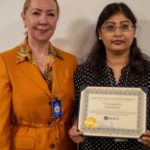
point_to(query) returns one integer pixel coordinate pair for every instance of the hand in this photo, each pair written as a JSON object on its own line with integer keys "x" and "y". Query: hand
{"x": 145, "y": 139}
{"x": 76, "y": 135}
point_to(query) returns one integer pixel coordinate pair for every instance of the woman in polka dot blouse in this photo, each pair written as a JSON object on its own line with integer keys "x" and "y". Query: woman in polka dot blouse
{"x": 115, "y": 61}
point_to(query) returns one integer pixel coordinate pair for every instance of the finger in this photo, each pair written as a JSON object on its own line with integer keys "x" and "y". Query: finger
{"x": 79, "y": 139}
{"x": 144, "y": 140}
{"x": 146, "y": 133}
{"x": 75, "y": 136}
{"x": 144, "y": 143}
{"x": 75, "y": 132}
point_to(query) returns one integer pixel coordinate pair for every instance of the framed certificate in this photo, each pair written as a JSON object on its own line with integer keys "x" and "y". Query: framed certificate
{"x": 112, "y": 112}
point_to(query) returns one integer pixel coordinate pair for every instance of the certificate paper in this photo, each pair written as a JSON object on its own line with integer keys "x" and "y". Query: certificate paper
{"x": 113, "y": 112}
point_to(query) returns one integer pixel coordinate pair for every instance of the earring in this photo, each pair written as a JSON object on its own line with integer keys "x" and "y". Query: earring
{"x": 100, "y": 38}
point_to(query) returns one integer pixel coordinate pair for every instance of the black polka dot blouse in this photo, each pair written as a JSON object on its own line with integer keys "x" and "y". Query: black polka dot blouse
{"x": 85, "y": 77}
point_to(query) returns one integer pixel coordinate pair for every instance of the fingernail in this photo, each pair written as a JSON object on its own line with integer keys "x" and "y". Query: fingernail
{"x": 139, "y": 140}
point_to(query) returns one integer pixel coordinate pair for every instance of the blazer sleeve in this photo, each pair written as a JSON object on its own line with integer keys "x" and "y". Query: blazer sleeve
{"x": 75, "y": 64}
{"x": 5, "y": 106}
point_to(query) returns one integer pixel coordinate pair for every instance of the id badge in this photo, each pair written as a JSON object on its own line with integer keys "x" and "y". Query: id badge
{"x": 56, "y": 108}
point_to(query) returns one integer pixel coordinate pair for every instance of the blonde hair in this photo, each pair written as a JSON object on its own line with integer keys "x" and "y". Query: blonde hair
{"x": 27, "y": 3}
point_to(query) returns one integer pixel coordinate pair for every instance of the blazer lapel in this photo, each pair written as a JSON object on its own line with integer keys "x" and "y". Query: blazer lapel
{"x": 35, "y": 76}
{"x": 58, "y": 76}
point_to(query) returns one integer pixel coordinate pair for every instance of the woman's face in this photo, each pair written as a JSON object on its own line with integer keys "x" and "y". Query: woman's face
{"x": 117, "y": 34}
{"x": 40, "y": 19}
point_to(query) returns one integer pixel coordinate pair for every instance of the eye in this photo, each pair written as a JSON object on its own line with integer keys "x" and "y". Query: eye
{"x": 110, "y": 27}
{"x": 51, "y": 14}
{"x": 126, "y": 27}
{"x": 36, "y": 13}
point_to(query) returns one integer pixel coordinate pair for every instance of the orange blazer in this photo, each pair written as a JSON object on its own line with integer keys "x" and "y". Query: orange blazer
{"x": 26, "y": 120}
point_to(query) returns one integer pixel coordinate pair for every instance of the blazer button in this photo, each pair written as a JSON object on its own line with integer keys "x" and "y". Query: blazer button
{"x": 52, "y": 146}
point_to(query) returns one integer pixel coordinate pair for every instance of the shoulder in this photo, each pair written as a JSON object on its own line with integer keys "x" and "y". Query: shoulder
{"x": 9, "y": 56}
{"x": 145, "y": 74}
{"x": 7, "y": 60}
{"x": 147, "y": 66}
{"x": 85, "y": 67}
{"x": 69, "y": 60}
{"x": 10, "y": 53}
{"x": 147, "y": 62}
{"x": 65, "y": 54}
{"x": 83, "y": 71}
{"x": 84, "y": 75}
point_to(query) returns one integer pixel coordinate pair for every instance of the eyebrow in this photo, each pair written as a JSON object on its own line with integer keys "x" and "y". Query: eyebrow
{"x": 37, "y": 9}
{"x": 125, "y": 21}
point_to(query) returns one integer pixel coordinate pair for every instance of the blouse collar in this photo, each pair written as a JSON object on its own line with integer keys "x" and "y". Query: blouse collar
{"x": 25, "y": 53}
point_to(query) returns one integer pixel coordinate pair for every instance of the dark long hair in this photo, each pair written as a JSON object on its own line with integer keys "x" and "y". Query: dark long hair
{"x": 98, "y": 54}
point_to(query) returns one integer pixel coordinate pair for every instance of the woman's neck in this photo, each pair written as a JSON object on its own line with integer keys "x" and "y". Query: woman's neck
{"x": 117, "y": 61}
{"x": 40, "y": 53}
{"x": 38, "y": 48}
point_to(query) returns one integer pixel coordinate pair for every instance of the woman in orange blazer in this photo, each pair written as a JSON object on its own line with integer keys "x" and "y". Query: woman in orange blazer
{"x": 36, "y": 86}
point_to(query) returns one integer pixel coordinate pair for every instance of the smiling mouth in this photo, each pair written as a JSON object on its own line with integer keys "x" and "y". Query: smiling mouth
{"x": 118, "y": 42}
{"x": 42, "y": 30}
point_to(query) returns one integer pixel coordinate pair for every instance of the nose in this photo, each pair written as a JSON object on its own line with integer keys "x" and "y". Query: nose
{"x": 43, "y": 19}
{"x": 117, "y": 31}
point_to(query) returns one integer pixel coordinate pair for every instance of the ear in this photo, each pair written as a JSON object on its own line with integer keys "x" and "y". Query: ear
{"x": 23, "y": 18}
{"x": 100, "y": 35}
{"x": 135, "y": 32}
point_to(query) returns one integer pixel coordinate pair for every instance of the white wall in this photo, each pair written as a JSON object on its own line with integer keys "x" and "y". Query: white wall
{"x": 76, "y": 25}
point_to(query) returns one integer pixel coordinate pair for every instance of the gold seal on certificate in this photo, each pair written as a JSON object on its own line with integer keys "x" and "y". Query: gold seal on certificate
{"x": 90, "y": 122}
{"x": 112, "y": 112}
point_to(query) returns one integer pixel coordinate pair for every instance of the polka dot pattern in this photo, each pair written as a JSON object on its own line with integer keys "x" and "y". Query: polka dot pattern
{"x": 85, "y": 77}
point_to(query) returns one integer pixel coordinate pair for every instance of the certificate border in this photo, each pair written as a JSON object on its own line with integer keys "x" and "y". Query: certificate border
{"x": 109, "y": 132}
